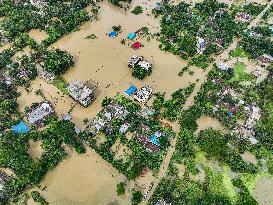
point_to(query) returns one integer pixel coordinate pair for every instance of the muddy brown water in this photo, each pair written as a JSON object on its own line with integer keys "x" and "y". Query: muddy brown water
{"x": 263, "y": 191}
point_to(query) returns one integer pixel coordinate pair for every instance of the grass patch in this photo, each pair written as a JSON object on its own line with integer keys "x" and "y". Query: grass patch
{"x": 238, "y": 52}
{"x": 61, "y": 83}
{"x": 228, "y": 184}
{"x": 239, "y": 73}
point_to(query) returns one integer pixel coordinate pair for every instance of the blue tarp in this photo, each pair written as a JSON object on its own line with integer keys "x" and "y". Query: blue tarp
{"x": 131, "y": 36}
{"x": 20, "y": 128}
{"x": 230, "y": 114}
{"x": 154, "y": 140}
{"x": 113, "y": 34}
{"x": 130, "y": 90}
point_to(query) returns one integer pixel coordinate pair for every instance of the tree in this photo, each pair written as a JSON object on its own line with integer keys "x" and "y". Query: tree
{"x": 136, "y": 197}
{"x": 120, "y": 188}
{"x": 57, "y": 61}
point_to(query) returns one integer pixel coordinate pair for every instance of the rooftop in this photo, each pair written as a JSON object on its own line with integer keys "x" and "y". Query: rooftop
{"x": 81, "y": 93}
{"x": 143, "y": 94}
{"x": 40, "y": 113}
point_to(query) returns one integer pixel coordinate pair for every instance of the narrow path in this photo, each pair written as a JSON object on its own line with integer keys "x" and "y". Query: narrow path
{"x": 164, "y": 167}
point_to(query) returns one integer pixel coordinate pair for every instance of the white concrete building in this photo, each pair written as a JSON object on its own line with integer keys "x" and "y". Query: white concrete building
{"x": 143, "y": 94}
{"x": 81, "y": 93}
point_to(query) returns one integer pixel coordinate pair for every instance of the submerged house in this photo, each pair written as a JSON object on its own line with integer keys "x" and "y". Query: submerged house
{"x": 243, "y": 17}
{"x": 224, "y": 67}
{"x": 201, "y": 45}
{"x": 40, "y": 113}
{"x": 45, "y": 75}
{"x": 265, "y": 59}
{"x": 143, "y": 94}
{"x": 38, "y": 3}
{"x": 138, "y": 61}
{"x": 104, "y": 118}
{"x": 147, "y": 143}
{"x": 20, "y": 128}
{"x": 81, "y": 93}
{"x": 254, "y": 116}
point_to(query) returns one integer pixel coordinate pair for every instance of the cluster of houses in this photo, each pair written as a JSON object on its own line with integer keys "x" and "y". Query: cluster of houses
{"x": 116, "y": 111}
{"x": 40, "y": 113}
{"x": 139, "y": 61}
{"x": 104, "y": 118}
{"x": 81, "y": 93}
{"x": 246, "y": 130}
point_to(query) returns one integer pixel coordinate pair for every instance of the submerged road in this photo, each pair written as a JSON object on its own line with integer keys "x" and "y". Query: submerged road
{"x": 164, "y": 167}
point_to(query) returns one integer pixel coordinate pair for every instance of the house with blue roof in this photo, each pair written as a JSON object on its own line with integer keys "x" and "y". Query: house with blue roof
{"x": 131, "y": 36}
{"x": 20, "y": 128}
{"x": 113, "y": 34}
{"x": 130, "y": 90}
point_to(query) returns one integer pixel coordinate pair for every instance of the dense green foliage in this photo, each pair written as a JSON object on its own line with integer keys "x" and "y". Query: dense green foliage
{"x": 38, "y": 198}
{"x": 120, "y": 188}
{"x": 57, "y": 61}
{"x": 140, "y": 73}
{"x": 137, "y": 10}
{"x": 136, "y": 197}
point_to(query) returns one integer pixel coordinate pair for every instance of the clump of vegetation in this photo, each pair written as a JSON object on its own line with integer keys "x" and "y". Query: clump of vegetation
{"x": 120, "y": 188}
{"x": 119, "y": 2}
{"x": 117, "y": 28}
{"x": 91, "y": 36}
{"x": 57, "y": 61}
{"x": 61, "y": 84}
{"x": 38, "y": 198}
{"x": 136, "y": 197}
{"x": 183, "y": 70}
{"x": 137, "y": 10}
{"x": 140, "y": 73}
{"x": 238, "y": 52}
{"x": 106, "y": 101}
{"x": 39, "y": 92}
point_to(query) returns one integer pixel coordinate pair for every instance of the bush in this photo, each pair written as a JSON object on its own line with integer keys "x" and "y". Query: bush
{"x": 137, "y": 10}
{"x": 136, "y": 197}
{"x": 120, "y": 188}
{"x": 38, "y": 198}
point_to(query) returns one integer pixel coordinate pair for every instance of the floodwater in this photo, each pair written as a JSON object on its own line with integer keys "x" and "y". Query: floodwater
{"x": 105, "y": 59}
{"x": 83, "y": 179}
{"x": 37, "y": 35}
{"x": 248, "y": 157}
{"x": 263, "y": 191}
{"x": 35, "y": 149}
{"x": 61, "y": 103}
{"x": 205, "y": 122}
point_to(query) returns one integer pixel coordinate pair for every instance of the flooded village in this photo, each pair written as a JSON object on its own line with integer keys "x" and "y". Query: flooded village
{"x": 128, "y": 102}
